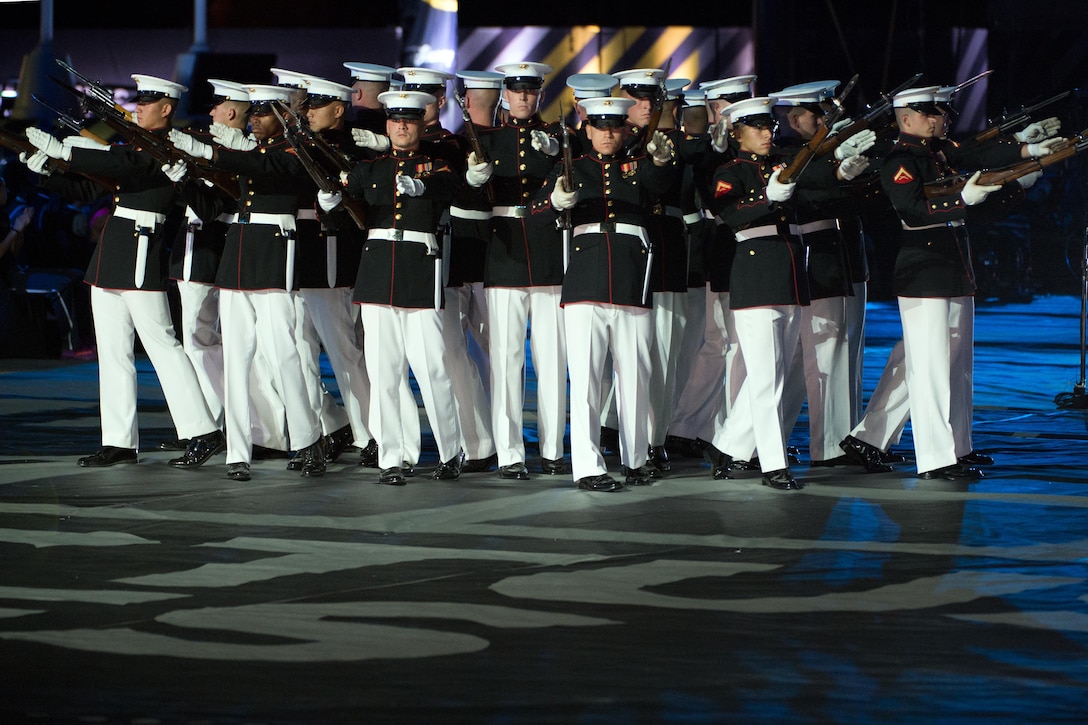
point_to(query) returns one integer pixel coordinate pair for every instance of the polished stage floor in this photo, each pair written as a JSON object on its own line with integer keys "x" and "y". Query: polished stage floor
{"x": 141, "y": 594}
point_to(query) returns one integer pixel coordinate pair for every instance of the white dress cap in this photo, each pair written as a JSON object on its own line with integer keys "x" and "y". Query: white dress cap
{"x": 266, "y": 94}
{"x": 725, "y": 87}
{"x": 228, "y": 91}
{"x": 805, "y": 94}
{"x": 152, "y": 87}
{"x": 320, "y": 90}
{"x": 524, "y": 73}
{"x": 370, "y": 71}
{"x": 290, "y": 78}
{"x": 420, "y": 78}
{"x": 481, "y": 79}
{"x": 640, "y": 81}
{"x": 751, "y": 111}
{"x": 409, "y": 104}
{"x": 591, "y": 85}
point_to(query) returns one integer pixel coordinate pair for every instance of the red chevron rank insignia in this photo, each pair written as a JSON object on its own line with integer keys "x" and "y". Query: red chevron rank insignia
{"x": 722, "y": 188}
{"x": 902, "y": 176}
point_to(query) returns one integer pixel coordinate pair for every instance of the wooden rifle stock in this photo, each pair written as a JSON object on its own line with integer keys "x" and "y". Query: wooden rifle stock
{"x": 998, "y": 177}
{"x": 22, "y": 145}
{"x": 808, "y": 152}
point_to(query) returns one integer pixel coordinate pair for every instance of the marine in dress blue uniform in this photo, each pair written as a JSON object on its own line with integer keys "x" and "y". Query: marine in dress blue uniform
{"x": 605, "y": 292}
{"x": 128, "y": 274}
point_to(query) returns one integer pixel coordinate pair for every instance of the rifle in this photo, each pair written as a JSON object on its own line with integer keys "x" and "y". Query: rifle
{"x": 158, "y": 147}
{"x": 477, "y": 147}
{"x": 1022, "y": 116}
{"x": 566, "y": 227}
{"x": 874, "y": 112}
{"x": 70, "y": 122}
{"x": 339, "y": 160}
{"x": 655, "y": 117}
{"x": 95, "y": 90}
{"x": 59, "y": 166}
{"x": 951, "y": 186}
{"x": 810, "y": 150}
{"x": 325, "y": 182}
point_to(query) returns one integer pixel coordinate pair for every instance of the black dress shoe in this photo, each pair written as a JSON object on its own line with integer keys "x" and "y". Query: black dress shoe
{"x": 479, "y": 465}
{"x": 336, "y": 442}
{"x": 554, "y": 466}
{"x": 313, "y": 459}
{"x": 782, "y": 480}
{"x": 450, "y": 470}
{"x": 515, "y": 471}
{"x": 407, "y": 469}
{"x": 368, "y": 456}
{"x": 955, "y": 472}
{"x": 659, "y": 458}
{"x": 684, "y": 447}
{"x": 109, "y": 456}
{"x": 720, "y": 463}
{"x": 296, "y": 462}
{"x": 890, "y": 457}
{"x": 238, "y": 471}
{"x": 974, "y": 458}
{"x": 200, "y": 449}
{"x": 641, "y": 476}
{"x": 863, "y": 454}
{"x": 179, "y": 444}
{"x": 392, "y": 477}
{"x": 830, "y": 462}
{"x": 603, "y": 482}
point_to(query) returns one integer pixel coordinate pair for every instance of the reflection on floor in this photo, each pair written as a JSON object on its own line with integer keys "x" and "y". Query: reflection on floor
{"x": 141, "y": 594}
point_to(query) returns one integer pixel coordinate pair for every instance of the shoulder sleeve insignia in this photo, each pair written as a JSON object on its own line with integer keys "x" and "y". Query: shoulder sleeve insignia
{"x": 902, "y": 176}
{"x": 722, "y": 188}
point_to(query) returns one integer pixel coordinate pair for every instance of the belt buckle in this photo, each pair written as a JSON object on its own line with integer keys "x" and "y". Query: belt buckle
{"x": 396, "y": 235}
{"x": 608, "y": 227}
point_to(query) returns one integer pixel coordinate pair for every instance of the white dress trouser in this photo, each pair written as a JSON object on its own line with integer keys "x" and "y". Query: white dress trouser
{"x": 669, "y": 320}
{"x": 201, "y": 340}
{"x": 394, "y": 339}
{"x": 510, "y": 311}
{"x": 823, "y": 377}
{"x": 938, "y": 341}
{"x": 690, "y": 342}
{"x": 768, "y": 338}
{"x": 203, "y": 343}
{"x": 118, "y": 316}
{"x": 889, "y": 405}
{"x": 702, "y": 394}
{"x": 855, "y": 335}
{"x": 262, "y": 319}
{"x": 594, "y": 330}
{"x": 331, "y": 315}
{"x": 473, "y": 408}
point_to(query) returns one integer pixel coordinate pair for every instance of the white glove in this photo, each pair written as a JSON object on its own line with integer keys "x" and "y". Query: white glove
{"x": 719, "y": 136}
{"x": 370, "y": 140}
{"x": 852, "y": 167}
{"x": 49, "y": 144}
{"x": 188, "y": 145}
{"x": 232, "y": 138}
{"x": 1039, "y": 131}
{"x": 841, "y": 124}
{"x": 329, "y": 200}
{"x": 776, "y": 190}
{"x": 408, "y": 186}
{"x": 176, "y": 171}
{"x": 544, "y": 143}
{"x": 660, "y": 148}
{"x": 857, "y": 144}
{"x": 1028, "y": 180}
{"x": 1044, "y": 148}
{"x": 83, "y": 142}
{"x": 36, "y": 162}
{"x": 561, "y": 198}
{"x": 477, "y": 174}
{"x": 974, "y": 193}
